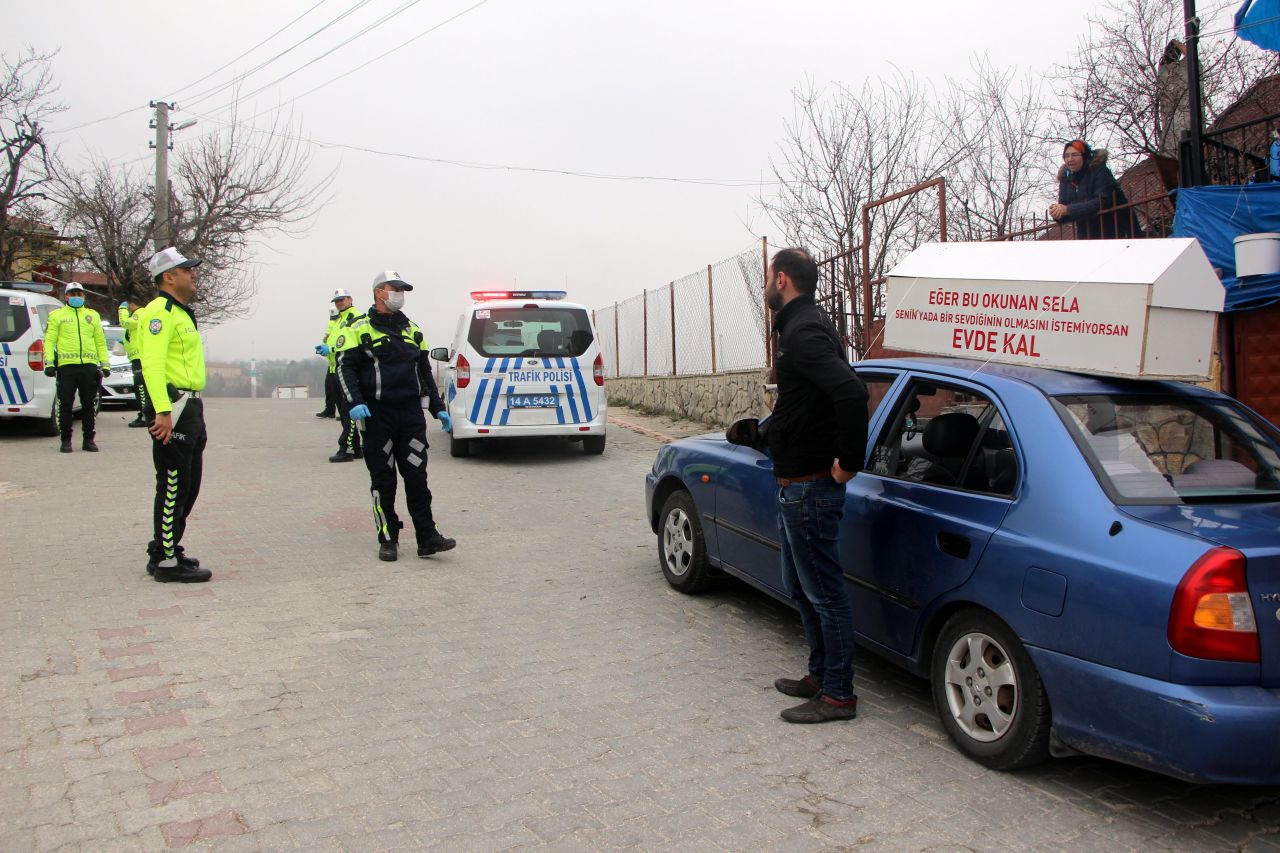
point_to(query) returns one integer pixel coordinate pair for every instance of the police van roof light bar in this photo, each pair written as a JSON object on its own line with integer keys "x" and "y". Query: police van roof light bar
{"x": 486, "y": 295}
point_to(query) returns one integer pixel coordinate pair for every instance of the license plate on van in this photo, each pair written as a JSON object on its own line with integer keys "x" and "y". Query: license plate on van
{"x": 532, "y": 401}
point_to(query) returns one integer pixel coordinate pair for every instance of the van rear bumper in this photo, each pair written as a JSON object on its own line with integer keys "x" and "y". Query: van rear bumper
{"x": 463, "y": 428}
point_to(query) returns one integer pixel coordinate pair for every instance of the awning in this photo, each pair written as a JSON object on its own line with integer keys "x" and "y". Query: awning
{"x": 1258, "y": 21}
{"x": 1216, "y": 216}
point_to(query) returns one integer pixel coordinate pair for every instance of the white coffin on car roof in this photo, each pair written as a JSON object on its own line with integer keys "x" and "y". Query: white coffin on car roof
{"x": 1141, "y": 308}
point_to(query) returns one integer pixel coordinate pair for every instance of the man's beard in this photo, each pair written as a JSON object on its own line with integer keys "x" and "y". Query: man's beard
{"x": 773, "y": 298}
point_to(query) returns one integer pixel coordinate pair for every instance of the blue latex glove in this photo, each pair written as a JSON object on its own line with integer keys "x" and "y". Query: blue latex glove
{"x": 322, "y": 349}
{"x": 446, "y": 422}
{"x": 360, "y": 412}
{"x": 124, "y": 304}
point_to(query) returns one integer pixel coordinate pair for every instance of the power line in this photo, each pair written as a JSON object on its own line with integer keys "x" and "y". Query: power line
{"x": 207, "y": 93}
{"x": 501, "y": 167}
{"x": 362, "y": 65}
{"x": 218, "y": 70}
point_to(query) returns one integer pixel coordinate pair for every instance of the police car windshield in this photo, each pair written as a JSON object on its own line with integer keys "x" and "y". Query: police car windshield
{"x": 530, "y": 330}
{"x": 1173, "y": 449}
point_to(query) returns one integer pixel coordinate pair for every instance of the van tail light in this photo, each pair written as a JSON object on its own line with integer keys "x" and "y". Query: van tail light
{"x": 597, "y": 369}
{"x": 463, "y": 374}
{"x": 35, "y": 356}
{"x": 1212, "y": 616}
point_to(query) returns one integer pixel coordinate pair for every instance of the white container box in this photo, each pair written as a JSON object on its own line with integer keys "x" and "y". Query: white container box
{"x": 1141, "y": 308}
{"x": 1257, "y": 254}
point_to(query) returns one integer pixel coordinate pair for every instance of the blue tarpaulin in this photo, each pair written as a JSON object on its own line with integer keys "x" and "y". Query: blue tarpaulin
{"x": 1258, "y": 21}
{"x": 1216, "y": 216}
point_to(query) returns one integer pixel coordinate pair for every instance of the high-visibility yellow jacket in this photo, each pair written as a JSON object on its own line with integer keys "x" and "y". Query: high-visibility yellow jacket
{"x": 74, "y": 336}
{"x": 328, "y": 339}
{"x": 171, "y": 349}
{"x": 129, "y": 322}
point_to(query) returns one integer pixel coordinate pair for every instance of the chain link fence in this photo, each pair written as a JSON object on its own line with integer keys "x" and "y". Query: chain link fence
{"x": 710, "y": 321}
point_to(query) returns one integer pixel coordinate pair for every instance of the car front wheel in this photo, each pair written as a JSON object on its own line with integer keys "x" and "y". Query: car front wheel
{"x": 988, "y": 694}
{"x": 681, "y": 547}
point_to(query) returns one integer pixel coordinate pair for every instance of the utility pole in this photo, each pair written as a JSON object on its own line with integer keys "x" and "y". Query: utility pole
{"x": 161, "y": 145}
{"x": 1193, "y": 171}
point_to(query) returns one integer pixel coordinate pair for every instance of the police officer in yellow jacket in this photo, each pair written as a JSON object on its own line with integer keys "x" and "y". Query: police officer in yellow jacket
{"x": 332, "y": 396}
{"x": 129, "y": 322}
{"x": 349, "y": 446}
{"x": 75, "y": 350}
{"x": 173, "y": 369}
{"x": 387, "y": 382}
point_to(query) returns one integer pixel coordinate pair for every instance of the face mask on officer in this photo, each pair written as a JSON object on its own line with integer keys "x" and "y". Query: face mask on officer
{"x": 75, "y": 301}
{"x": 333, "y": 313}
{"x": 395, "y": 299}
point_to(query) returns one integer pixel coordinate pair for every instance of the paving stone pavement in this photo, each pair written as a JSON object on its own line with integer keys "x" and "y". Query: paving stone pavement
{"x": 538, "y": 687}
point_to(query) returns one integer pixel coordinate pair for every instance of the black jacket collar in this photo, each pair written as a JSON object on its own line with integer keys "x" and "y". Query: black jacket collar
{"x": 791, "y": 309}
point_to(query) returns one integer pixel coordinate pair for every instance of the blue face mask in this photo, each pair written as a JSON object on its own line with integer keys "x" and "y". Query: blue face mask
{"x": 76, "y": 301}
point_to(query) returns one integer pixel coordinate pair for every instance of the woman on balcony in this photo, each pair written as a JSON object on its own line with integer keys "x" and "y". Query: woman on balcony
{"x": 1088, "y": 195}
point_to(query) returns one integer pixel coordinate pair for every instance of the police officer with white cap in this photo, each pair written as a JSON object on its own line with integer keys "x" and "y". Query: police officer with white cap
{"x": 387, "y": 381}
{"x": 349, "y": 440}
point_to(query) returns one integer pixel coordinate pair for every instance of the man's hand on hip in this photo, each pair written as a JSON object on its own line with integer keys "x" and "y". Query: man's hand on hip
{"x": 162, "y": 429}
{"x": 839, "y": 474}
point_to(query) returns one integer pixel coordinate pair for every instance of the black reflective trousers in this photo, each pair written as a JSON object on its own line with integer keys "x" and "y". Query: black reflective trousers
{"x": 179, "y": 466}
{"x": 85, "y": 379}
{"x": 396, "y": 436}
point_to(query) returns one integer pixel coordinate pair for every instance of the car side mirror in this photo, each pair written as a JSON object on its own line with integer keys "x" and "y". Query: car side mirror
{"x": 439, "y": 354}
{"x": 745, "y": 432}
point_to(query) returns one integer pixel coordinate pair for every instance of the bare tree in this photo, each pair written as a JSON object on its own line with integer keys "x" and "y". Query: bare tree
{"x": 844, "y": 148}
{"x": 109, "y": 210}
{"x": 26, "y": 89}
{"x": 1125, "y": 88}
{"x": 998, "y": 120}
{"x": 229, "y": 190}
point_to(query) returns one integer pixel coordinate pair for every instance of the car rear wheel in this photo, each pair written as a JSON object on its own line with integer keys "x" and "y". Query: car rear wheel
{"x": 459, "y": 447}
{"x": 593, "y": 444}
{"x": 681, "y": 547}
{"x": 988, "y": 694}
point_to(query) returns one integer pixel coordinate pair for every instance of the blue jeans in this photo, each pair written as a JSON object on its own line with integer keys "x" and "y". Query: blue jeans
{"x": 809, "y": 519}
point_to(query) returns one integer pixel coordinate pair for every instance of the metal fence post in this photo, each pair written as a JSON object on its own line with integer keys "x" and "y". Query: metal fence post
{"x": 673, "y": 328}
{"x": 617, "y": 351}
{"x": 646, "y": 332}
{"x": 711, "y": 312}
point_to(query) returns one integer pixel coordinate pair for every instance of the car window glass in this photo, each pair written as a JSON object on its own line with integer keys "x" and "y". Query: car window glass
{"x": 1172, "y": 449}
{"x": 43, "y": 312}
{"x": 878, "y": 385}
{"x": 534, "y": 331}
{"x": 947, "y": 436}
{"x": 13, "y": 318}
{"x": 115, "y": 340}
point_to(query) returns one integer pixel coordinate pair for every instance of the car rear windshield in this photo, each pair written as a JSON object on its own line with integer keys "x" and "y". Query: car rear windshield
{"x": 13, "y": 318}
{"x": 530, "y": 330}
{"x": 1174, "y": 449}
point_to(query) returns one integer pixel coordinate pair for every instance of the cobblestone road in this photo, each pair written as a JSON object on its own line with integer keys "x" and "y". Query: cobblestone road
{"x": 538, "y": 687}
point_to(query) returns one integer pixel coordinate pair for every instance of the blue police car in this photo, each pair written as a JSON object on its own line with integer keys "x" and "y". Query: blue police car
{"x": 1077, "y": 564}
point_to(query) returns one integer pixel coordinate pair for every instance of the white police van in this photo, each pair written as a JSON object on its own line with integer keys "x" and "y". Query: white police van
{"x": 524, "y": 363}
{"x": 25, "y": 392}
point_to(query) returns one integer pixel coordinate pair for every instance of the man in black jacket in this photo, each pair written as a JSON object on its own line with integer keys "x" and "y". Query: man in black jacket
{"x": 818, "y": 438}
{"x": 386, "y": 380}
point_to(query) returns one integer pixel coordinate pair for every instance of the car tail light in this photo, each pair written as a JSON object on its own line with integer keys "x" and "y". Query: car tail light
{"x": 597, "y": 369}
{"x": 1211, "y": 615}
{"x": 35, "y": 356}
{"x": 463, "y": 374}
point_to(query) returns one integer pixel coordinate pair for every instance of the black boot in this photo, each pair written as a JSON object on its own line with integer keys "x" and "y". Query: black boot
{"x": 434, "y": 543}
{"x": 177, "y": 571}
{"x": 66, "y": 446}
{"x": 139, "y": 421}
{"x": 341, "y": 456}
{"x": 88, "y": 444}
{"x": 387, "y": 551}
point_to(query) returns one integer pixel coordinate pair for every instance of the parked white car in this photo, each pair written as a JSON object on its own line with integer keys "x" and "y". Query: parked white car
{"x": 25, "y": 392}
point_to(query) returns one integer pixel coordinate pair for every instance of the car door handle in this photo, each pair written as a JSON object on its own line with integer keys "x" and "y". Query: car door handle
{"x": 953, "y": 544}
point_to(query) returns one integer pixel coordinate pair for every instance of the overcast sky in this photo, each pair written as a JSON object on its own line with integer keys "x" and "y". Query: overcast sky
{"x": 689, "y": 89}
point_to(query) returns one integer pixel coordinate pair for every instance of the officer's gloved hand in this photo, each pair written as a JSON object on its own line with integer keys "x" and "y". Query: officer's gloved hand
{"x": 360, "y": 412}
{"x": 51, "y": 371}
{"x": 446, "y": 422}
{"x": 106, "y": 371}
{"x": 322, "y": 349}
{"x": 124, "y": 304}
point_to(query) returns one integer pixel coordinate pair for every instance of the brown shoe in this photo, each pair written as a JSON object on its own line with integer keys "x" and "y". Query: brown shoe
{"x": 804, "y": 688}
{"x": 822, "y": 709}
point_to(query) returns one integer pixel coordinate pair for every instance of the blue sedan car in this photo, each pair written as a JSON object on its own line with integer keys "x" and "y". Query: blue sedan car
{"x": 1077, "y": 564}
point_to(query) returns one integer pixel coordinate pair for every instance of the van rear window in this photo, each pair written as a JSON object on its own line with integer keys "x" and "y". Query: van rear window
{"x": 530, "y": 330}
{"x": 14, "y": 320}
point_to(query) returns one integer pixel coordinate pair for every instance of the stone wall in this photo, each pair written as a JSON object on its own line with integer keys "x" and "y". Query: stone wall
{"x": 715, "y": 399}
